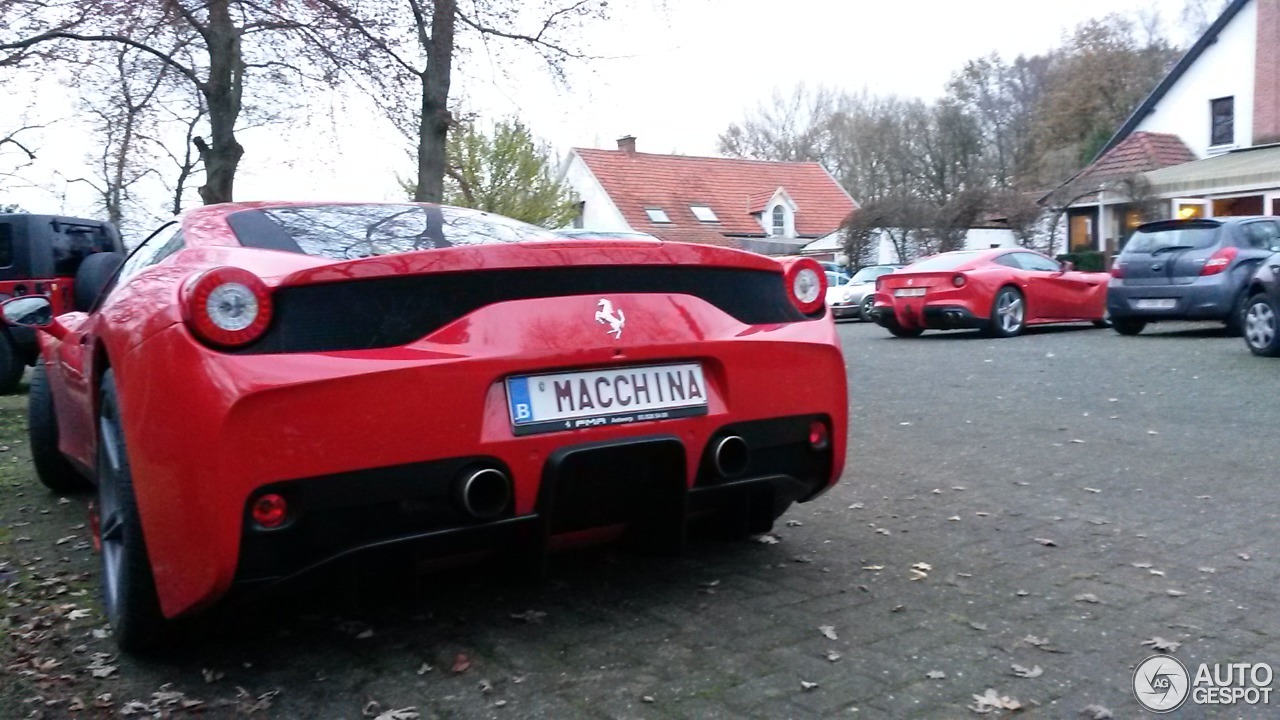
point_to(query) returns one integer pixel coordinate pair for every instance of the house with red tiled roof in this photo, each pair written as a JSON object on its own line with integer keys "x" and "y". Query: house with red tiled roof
{"x": 1204, "y": 143}
{"x": 774, "y": 208}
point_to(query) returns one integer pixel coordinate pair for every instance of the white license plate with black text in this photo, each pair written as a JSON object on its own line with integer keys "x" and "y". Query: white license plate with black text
{"x": 567, "y": 401}
{"x": 1155, "y": 304}
{"x": 909, "y": 292}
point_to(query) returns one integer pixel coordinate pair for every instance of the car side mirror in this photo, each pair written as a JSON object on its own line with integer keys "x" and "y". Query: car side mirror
{"x": 1068, "y": 266}
{"x": 33, "y": 311}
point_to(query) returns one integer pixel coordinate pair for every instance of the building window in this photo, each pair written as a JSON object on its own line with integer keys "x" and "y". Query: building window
{"x": 1223, "y": 112}
{"x": 704, "y": 213}
{"x": 657, "y": 215}
{"x": 779, "y": 227}
{"x": 579, "y": 209}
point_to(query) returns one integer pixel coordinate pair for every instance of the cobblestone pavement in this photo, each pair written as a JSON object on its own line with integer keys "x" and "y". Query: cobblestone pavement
{"x": 1052, "y": 500}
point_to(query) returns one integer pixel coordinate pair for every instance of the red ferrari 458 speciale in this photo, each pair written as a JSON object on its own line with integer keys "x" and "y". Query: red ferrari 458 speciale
{"x": 260, "y": 389}
{"x": 1000, "y": 291}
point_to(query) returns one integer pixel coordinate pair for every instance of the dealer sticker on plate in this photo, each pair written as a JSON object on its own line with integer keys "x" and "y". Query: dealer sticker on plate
{"x": 567, "y": 401}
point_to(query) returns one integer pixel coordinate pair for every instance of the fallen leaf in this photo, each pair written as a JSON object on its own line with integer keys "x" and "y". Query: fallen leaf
{"x": 954, "y": 518}
{"x": 1174, "y": 593}
{"x": 873, "y": 568}
{"x": 76, "y": 705}
{"x": 1141, "y": 565}
{"x": 898, "y": 608}
{"x": 1032, "y": 672}
{"x": 768, "y": 539}
{"x": 211, "y": 676}
{"x": 806, "y": 685}
{"x": 1092, "y": 490}
{"x": 981, "y": 627}
{"x": 485, "y": 686}
{"x": 535, "y": 617}
{"x": 829, "y": 632}
{"x": 647, "y": 699}
{"x": 856, "y": 506}
{"x": 1087, "y": 597}
{"x": 499, "y": 703}
{"x": 936, "y": 675}
{"x": 408, "y": 713}
{"x": 992, "y": 700}
{"x": 833, "y": 656}
{"x": 1095, "y": 712}
{"x": 1077, "y": 441}
{"x": 1159, "y": 644}
{"x": 1243, "y": 556}
{"x": 1207, "y": 570}
{"x": 371, "y": 708}
{"x": 882, "y": 531}
{"x": 794, "y": 523}
{"x": 461, "y": 664}
{"x": 1156, "y": 572}
{"x": 424, "y": 669}
{"x": 923, "y": 567}
{"x": 1046, "y": 542}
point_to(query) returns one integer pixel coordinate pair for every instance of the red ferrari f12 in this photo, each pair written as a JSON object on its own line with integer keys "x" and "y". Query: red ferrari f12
{"x": 261, "y": 389}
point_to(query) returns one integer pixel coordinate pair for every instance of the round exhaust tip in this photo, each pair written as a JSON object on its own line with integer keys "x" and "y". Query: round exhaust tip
{"x": 484, "y": 493}
{"x": 731, "y": 456}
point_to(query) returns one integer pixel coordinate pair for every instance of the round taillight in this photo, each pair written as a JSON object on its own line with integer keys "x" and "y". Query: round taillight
{"x": 958, "y": 280}
{"x": 270, "y": 511}
{"x": 819, "y": 436}
{"x": 227, "y": 306}
{"x": 806, "y": 284}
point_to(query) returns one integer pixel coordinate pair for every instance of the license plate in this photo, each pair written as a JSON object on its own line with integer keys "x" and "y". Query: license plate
{"x": 567, "y": 401}
{"x": 1156, "y": 304}
{"x": 909, "y": 292}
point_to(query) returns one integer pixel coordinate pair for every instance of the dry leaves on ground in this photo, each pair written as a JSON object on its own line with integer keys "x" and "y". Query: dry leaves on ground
{"x": 992, "y": 700}
{"x": 829, "y": 632}
{"x": 1159, "y": 644}
{"x": 1095, "y": 712}
{"x": 1024, "y": 672}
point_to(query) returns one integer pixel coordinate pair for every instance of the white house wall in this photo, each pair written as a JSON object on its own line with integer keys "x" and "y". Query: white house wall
{"x": 598, "y": 210}
{"x": 976, "y": 239}
{"x": 1225, "y": 69}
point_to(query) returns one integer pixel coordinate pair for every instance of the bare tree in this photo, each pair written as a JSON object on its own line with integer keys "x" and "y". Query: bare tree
{"x": 402, "y": 51}
{"x": 16, "y": 152}
{"x": 794, "y": 127}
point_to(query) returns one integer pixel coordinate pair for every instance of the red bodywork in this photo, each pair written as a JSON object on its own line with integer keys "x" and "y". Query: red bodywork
{"x": 1051, "y": 297}
{"x": 206, "y": 429}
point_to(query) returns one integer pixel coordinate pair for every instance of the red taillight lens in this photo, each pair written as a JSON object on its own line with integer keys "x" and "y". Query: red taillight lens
{"x": 1117, "y": 270}
{"x": 959, "y": 280}
{"x": 819, "y": 436}
{"x": 806, "y": 285}
{"x": 1219, "y": 261}
{"x": 270, "y": 511}
{"x": 227, "y": 306}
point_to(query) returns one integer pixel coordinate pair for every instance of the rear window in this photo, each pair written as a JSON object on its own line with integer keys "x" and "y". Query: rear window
{"x": 346, "y": 232}
{"x": 867, "y": 274}
{"x": 945, "y": 261}
{"x": 73, "y": 244}
{"x": 1194, "y": 238}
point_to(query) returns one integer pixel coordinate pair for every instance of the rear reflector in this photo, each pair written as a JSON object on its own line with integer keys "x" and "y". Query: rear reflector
{"x": 1117, "y": 270}
{"x": 270, "y": 511}
{"x": 819, "y": 435}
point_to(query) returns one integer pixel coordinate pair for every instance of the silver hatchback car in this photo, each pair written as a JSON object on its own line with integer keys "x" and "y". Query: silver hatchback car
{"x": 1188, "y": 270}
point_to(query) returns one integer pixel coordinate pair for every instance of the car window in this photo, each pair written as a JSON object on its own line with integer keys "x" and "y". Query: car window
{"x": 160, "y": 245}
{"x": 945, "y": 261}
{"x": 836, "y": 279}
{"x": 6, "y": 245}
{"x": 868, "y": 274}
{"x": 1008, "y": 261}
{"x": 1264, "y": 235}
{"x": 73, "y": 244}
{"x": 1193, "y": 237}
{"x": 1037, "y": 263}
{"x": 343, "y": 232}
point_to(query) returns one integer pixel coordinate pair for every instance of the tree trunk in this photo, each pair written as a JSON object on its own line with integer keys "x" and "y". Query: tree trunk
{"x": 222, "y": 92}
{"x": 433, "y": 131}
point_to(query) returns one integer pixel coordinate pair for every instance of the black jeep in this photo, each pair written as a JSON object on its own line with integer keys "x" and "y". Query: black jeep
{"x": 41, "y": 255}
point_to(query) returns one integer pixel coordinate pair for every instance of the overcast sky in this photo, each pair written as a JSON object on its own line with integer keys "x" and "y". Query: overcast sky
{"x": 674, "y": 78}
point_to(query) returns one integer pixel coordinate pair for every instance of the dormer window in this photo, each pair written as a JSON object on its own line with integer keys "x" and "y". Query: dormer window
{"x": 704, "y": 213}
{"x": 779, "y": 226}
{"x": 657, "y": 215}
{"x": 1222, "y": 121}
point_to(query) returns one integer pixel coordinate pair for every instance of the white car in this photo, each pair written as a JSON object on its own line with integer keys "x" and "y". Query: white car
{"x": 852, "y": 297}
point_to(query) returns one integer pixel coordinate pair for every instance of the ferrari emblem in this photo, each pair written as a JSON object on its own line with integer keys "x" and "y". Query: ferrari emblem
{"x": 911, "y": 281}
{"x": 605, "y": 316}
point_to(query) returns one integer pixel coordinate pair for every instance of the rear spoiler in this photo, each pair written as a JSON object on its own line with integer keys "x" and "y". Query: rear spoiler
{"x": 1160, "y": 225}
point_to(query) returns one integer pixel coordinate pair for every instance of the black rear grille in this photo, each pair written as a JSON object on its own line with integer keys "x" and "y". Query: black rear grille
{"x": 387, "y": 312}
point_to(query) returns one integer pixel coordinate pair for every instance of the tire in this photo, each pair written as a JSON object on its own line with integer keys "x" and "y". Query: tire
{"x": 129, "y": 591}
{"x": 1105, "y": 322}
{"x": 1235, "y": 321}
{"x": 1008, "y": 314}
{"x": 1127, "y": 326}
{"x": 52, "y": 467}
{"x": 864, "y": 310}
{"x": 1261, "y": 326}
{"x": 899, "y": 331}
{"x": 92, "y": 276}
{"x": 11, "y": 366}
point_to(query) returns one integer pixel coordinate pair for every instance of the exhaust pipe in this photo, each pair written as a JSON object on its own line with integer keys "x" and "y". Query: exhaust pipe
{"x": 731, "y": 456}
{"x": 483, "y": 493}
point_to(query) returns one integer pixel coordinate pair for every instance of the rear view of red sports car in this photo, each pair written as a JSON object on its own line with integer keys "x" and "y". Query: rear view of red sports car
{"x": 261, "y": 389}
{"x": 1000, "y": 291}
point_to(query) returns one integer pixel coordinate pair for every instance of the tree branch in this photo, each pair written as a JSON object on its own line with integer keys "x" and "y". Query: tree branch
{"x": 62, "y": 35}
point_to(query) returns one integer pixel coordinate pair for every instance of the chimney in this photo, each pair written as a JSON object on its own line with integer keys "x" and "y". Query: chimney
{"x": 627, "y": 143}
{"x": 1266, "y": 76}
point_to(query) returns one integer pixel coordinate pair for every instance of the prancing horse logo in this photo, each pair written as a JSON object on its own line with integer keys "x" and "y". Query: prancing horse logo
{"x": 605, "y": 316}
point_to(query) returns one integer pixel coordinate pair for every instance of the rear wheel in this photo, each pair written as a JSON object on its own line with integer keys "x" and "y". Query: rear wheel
{"x": 11, "y": 366}
{"x": 1261, "y": 327}
{"x": 1235, "y": 321}
{"x": 864, "y": 310}
{"x": 1008, "y": 314}
{"x": 129, "y": 591}
{"x": 1127, "y": 326}
{"x": 42, "y": 427}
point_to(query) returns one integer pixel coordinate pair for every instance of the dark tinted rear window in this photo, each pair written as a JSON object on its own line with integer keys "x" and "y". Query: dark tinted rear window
{"x": 75, "y": 243}
{"x": 354, "y": 231}
{"x": 945, "y": 261}
{"x": 1193, "y": 237}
